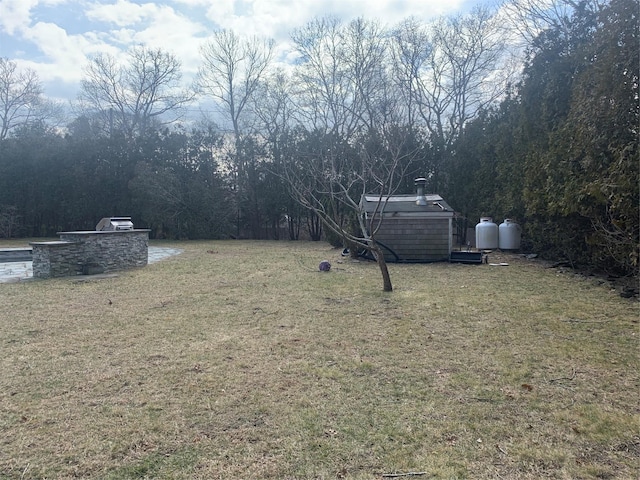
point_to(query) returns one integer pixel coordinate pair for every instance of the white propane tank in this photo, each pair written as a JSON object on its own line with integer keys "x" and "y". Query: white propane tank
{"x": 486, "y": 234}
{"x": 509, "y": 235}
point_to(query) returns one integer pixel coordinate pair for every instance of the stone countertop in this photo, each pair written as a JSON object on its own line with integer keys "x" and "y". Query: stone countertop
{"x": 102, "y": 232}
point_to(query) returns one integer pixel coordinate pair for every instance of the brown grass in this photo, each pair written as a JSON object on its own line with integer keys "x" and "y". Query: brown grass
{"x": 241, "y": 360}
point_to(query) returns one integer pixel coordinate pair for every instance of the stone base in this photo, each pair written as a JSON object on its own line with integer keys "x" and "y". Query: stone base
{"x": 90, "y": 253}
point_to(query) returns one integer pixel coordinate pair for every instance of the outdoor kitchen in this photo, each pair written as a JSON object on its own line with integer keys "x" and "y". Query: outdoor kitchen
{"x": 114, "y": 245}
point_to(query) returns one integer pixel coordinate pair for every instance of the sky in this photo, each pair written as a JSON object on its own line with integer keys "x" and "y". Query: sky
{"x": 57, "y": 38}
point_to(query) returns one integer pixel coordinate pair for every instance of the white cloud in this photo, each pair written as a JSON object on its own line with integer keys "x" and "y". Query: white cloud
{"x": 122, "y": 13}
{"x": 153, "y": 25}
{"x": 278, "y": 18}
{"x": 15, "y": 15}
{"x": 67, "y": 52}
{"x": 122, "y": 36}
{"x": 193, "y": 3}
{"x": 176, "y": 34}
{"x": 64, "y": 43}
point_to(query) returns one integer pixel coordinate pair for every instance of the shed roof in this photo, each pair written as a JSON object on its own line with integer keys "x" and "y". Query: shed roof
{"x": 393, "y": 204}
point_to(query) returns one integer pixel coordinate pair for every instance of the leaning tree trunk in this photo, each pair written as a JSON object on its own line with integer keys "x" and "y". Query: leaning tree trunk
{"x": 382, "y": 264}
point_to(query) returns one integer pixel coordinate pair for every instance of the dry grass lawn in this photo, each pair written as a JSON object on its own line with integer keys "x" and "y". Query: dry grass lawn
{"x": 239, "y": 360}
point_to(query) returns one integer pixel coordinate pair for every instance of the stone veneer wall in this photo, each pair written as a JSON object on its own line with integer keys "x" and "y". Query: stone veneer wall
{"x": 81, "y": 253}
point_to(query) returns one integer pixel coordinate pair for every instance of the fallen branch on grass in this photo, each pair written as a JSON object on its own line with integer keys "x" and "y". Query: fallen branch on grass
{"x": 573, "y": 375}
{"x": 408, "y": 474}
{"x": 577, "y": 320}
{"x": 482, "y": 399}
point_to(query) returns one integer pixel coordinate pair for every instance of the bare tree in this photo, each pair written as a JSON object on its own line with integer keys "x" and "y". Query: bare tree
{"x": 20, "y": 96}
{"x": 411, "y": 51}
{"x": 320, "y": 79}
{"x": 449, "y": 71}
{"x": 132, "y": 97}
{"x": 324, "y": 183}
{"x": 364, "y": 55}
{"x": 273, "y": 104}
{"x": 341, "y": 74}
{"x": 232, "y": 70}
{"x": 530, "y": 17}
{"x": 352, "y": 143}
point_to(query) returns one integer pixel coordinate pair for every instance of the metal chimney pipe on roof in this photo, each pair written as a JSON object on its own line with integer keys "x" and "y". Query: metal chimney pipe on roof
{"x": 421, "y": 183}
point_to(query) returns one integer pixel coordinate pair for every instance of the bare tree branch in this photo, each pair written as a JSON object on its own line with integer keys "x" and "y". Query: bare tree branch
{"x": 130, "y": 98}
{"x": 232, "y": 70}
{"x": 20, "y": 96}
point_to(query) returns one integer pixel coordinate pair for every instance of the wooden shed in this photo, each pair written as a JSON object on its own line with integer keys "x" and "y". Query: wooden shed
{"x": 415, "y": 228}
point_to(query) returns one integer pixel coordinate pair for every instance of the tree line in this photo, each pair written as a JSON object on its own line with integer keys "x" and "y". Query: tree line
{"x": 527, "y": 111}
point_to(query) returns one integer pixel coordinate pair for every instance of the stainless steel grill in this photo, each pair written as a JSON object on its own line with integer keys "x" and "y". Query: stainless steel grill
{"x": 114, "y": 224}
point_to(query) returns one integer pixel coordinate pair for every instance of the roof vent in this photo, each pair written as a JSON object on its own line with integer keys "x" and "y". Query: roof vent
{"x": 421, "y": 198}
